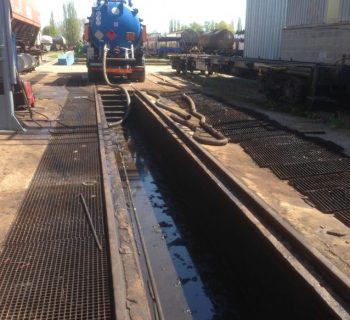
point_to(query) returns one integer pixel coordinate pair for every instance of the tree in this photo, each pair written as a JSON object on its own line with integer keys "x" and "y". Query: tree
{"x": 51, "y": 29}
{"x": 71, "y": 23}
{"x": 233, "y": 26}
{"x": 223, "y": 25}
{"x": 195, "y": 26}
{"x": 53, "y": 26}
{"x": 239, "y": 25}
{"x": 207, "y": 26}
{"x": 178, "y": 25}
{"x": 46, "y": 31}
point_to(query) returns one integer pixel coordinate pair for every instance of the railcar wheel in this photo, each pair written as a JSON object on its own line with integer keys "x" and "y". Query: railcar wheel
{"x": 293, "y": 90}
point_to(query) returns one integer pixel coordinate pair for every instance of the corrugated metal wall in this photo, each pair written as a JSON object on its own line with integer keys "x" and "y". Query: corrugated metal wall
{"x": 265, "y": 20}
{"x": 314, "y": 12}
{"x": 344, "y": 14}
{"x": 304, "y": 12}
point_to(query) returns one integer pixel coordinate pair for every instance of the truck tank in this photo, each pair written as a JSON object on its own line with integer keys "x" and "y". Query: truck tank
{"x": 115, "y": 26}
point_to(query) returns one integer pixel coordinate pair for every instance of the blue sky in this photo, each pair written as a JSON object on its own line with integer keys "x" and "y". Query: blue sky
{"x": 157, "y": 13}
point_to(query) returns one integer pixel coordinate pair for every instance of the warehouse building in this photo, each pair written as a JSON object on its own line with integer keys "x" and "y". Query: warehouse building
{"x": 299, "y": 30}
{"x": 316, "y": 30}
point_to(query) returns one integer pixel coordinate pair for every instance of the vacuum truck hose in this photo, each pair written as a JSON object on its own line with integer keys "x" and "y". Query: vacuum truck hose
{"x": 114, "y": 85}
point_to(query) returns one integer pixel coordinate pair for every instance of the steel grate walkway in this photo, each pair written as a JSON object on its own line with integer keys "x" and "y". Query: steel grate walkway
{"x": 50, "y": 266}
{"x": 316, "y": 168}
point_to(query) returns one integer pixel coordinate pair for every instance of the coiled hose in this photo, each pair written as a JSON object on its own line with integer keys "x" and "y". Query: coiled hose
{"x": 115, "y": 85}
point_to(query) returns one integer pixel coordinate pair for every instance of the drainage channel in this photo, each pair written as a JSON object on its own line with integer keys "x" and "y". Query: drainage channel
{"x": 256, "y": 267}
{"x": 199, "y": 259}
{"x": 178, "y": 270}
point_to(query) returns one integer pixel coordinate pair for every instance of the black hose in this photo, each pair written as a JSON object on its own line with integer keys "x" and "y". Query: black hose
{"x": 220, "y": 139}
{"x": 217, "y": 139}
{"x": 184, "y": 122}
{"x": 185, "y": 116}
{"x": 209, "y": 140}
{"x": 114, "y": 85}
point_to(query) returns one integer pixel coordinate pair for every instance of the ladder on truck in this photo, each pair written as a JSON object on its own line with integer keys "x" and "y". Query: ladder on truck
{"x": 8, "y": 120}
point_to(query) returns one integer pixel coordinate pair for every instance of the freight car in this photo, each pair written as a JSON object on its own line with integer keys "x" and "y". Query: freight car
{"x": 115, "y": 42}
{"x": 25, "y": 22}
{"x": 217, "y": 41}
{"x": 176, "y": 42}
{"x": 25, "y": 25}
{"x": 280, "y": 80}
{"x": 186, "y": 41}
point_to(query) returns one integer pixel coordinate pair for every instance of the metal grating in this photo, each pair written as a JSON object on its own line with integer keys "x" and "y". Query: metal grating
{"x": 322, "y": 182}
{"x": 331, "y": 200}
{"x": 344, "y": 216}
{"x": 50, "y": 266}
{"x": 298, "y": 170}
{"x": 273, "y": 142}
{"x": 302, "y": 153}
{"x": 316, "y": 168}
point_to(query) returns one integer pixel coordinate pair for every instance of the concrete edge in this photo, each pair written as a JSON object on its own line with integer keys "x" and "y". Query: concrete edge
{"x": 129, "y": 293}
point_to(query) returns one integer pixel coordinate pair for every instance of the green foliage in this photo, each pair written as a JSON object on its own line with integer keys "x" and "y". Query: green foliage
{"x": 79, "y": 50}
{"x": 224, "y": 25}
{"x": 51, "y": 29}
{"x": 207, "y": 26}
{"x": 239, "y": 25}
{"x": 196, "y": 27}
{"x": 46, "y": 30}
{"x": 71, "y": 23}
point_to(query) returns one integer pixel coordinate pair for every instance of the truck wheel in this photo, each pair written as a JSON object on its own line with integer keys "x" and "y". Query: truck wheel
{"x": 94, "y": 76}
{"x": 141, "y": 77}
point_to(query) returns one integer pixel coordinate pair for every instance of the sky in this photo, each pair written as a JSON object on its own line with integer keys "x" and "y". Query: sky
{"x": 157, "y": 13}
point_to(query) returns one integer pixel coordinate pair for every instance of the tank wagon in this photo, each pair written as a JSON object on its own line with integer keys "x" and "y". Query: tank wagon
{"x": 186, "y": 41}
{"x": 115, "y": 38}
{"x": 217, "y": 41}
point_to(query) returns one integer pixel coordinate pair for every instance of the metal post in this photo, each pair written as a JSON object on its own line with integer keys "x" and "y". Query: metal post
{"x": 8, "y": 120}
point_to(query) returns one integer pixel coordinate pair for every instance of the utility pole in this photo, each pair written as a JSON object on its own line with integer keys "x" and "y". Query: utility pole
{"x": 8, "y": 120}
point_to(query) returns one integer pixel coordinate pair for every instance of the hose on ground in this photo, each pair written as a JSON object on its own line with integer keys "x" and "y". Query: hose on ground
{"x": 184, "y": 122}
{"x": 216, "y": 138}
{"x": 160, "y": 104}
{"x": 220, "y": 139}
{"x": 115, "y": 85}
{"x": 185, "y": 116}
{"x": 209, "y": 140}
